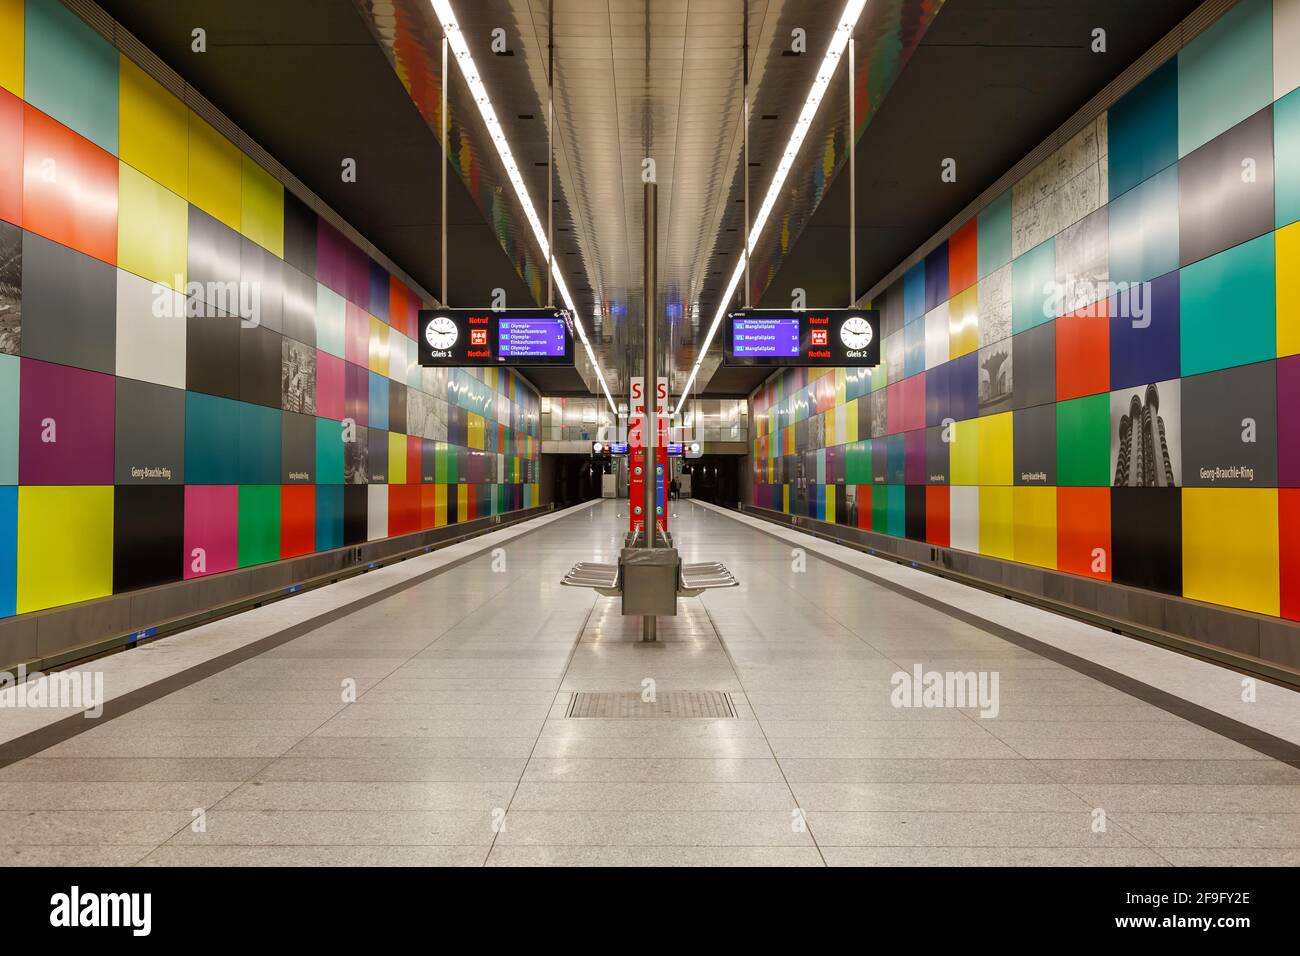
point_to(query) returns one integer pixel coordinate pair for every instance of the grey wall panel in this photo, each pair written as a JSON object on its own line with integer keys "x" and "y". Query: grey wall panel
{"x": 214, "y": 261}
{"x": 212, "y": 355}
{"x": 150, "y": 434}
{"x": 261, "y": 272}
{"x": 298, "y": 449}
{"x": 1225, "y": 189}
{"x": 69, "y": 306}
{"x": 1035, "y": 372}
{"x": 1229, "y": 434}
{"x": 1034, "y": 437}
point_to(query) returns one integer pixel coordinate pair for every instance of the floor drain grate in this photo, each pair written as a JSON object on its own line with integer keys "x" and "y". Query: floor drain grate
{"x": 679, "y": 704}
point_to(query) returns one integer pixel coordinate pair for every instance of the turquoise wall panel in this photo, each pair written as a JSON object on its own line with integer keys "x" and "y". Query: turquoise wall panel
{"x": 259, "y": 445}
{"x": 1143, "y": 130}
{"x": 1229, "y": 308}
{"x": 995, "y": 235}
{"x": 211, "y": 440}
{"x": 1144, "y": 230}
{"x": 914, "y": 292}
{"x": 329, "y": 452}
{"x": 9, "y": 419}
{"x": 70, "y": 72}
{"x": 1286, "y": 148}
{"x": 329, "y": 517}
{"x": 1225, "y": 74}
{"x": 1033, "y": 276}
{"x": 8, "y": 549}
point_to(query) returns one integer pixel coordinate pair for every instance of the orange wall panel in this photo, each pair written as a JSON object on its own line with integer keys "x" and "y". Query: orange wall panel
{"x": 69, "y": 188}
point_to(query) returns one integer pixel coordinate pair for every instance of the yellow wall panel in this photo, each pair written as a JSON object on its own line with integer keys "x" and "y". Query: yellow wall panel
{"x": 963, "y": 323}
{"x": 462, "y": 502}
{"x": 153, "y": 128}
{"x": 964, "y": 452}
{"x": 1230, "y": 547}
{"x": 152, "y": 228}
{"x": 475, "y": 430}
{"x": 851, "y": 422}
{"x": 379, "y": 351}
{"x": 1035, "y": 535}
{"x": 397, "y": 459}
{"x": 65, "y": 545}
{"x": 997, "y": 455}
{"x": 262, "y": 208}
{"x": 997, "y": 522}
{"x": 1288, "y": 290}
{"x": 215, "y": 179}
{"x": 841, "y": 384}
{"x": 440, "y": 506}
{"x": 11, "y": 46}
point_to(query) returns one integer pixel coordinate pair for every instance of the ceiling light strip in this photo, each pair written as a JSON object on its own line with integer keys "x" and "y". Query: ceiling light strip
{"x": 460, "y": 50}
{"x": 840, "y": 40}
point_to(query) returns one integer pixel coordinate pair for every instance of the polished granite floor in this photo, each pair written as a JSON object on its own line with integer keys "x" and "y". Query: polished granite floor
{"x": 457, "y": 749}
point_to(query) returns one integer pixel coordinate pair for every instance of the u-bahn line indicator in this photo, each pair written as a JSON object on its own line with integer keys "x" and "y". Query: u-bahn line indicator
{"x": 813, "y": 338}
{"x": 508, "y": 337}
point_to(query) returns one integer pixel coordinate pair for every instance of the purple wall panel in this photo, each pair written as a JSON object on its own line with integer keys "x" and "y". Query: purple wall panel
{"x": 66, "y": 425}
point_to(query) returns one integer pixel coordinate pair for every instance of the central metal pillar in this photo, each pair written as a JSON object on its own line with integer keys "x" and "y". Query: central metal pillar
{"x": 650, "y": 373}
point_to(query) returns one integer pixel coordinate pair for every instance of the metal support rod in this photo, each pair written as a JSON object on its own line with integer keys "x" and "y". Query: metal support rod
{"x": 550, "y": 154}
{"x": 443, "y": 122}
{"x": 745, "y": 81}
{"x": 650, "y": 296}
{"x": 853, "y": 187}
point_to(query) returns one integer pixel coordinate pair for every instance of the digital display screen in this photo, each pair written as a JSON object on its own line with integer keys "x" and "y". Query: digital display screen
{"x": 755, "y": 338}
{"x": 812, "y": 338}
{"x": 477, "y": 337}
{"x": 529, "y": 337}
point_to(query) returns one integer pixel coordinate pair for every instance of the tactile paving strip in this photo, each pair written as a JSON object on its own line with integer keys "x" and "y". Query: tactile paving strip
{"x": 680, "y": 704}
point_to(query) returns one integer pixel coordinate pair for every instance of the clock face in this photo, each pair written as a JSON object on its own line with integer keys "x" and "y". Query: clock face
{"x": 855, "y": 333}
{"x": 441, "y": 333}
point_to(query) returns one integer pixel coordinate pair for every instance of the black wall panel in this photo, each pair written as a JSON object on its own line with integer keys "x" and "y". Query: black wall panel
{"x": 299, "y": 310}
{"x": 261, "y": 360}
{"x": 150, "y": 430}
{"x": 212, "y": 355}
{"x": 936, "y": 456}
{"x": 377, "y": 459}
{"x": 148, "y": 538}
{"x": 298, "y": 449}
{"x": 356, "y": 511}
{"x": 914, "y": 515}
{"x": 397, "y": 408}
{"x": 1147, "y": 538}
{"x": 299, "y": 235}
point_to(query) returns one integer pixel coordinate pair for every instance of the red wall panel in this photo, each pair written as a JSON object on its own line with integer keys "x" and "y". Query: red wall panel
{"x": 297, "y": 520}
{"x": 1082, "y": 526}
{"x": 11, "y": 158}
{"x": 69, "y": 188}
{"x": 938, "y": 526}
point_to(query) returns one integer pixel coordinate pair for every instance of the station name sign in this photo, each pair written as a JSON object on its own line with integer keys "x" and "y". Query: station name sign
{"x": 509, "y": 337}
{"x": 815, "y": 337}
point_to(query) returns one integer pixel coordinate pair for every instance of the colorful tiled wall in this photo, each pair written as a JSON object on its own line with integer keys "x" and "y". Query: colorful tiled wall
{"x": 1033, "y": 407}
{"x": 148, "y": 432}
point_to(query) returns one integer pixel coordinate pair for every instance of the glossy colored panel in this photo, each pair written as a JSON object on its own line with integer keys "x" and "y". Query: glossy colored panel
{"x": 997, "y": 450}
{"x": 995, "y": 235}
{"x": 212, "y": 355}
{"x": 65, "y": 426}
{"x": 936, "y": 276}
{"x": 151, "y": 229}
{"x": 397, "y": 459}
{"x": 1083, "y": 353}
{"x": 1035, "y": 526}
{"x": 9, "y": 398}
{"x": 963, "y": 258}
{"x": 1225, "y": 74}
{"x": 1083, "y": 441}
{"x": 154, "y": 130}
{"x": 260, "y": 445}
{"x": 1237, "y": 283}
{"x": 377, "y": 398}
{"x": 11, "y": 49}
{"x": 299, "y": 235}
{"x": 71, "y": 72}
{"x": 211, "y": 440}
{"x": 964, "y": 450}
{"x": 1225, "y": 190}
{"x": 377, "y": 511}
{"x": 259, "y": 524}
{"x": 963, "y": 323}
{"x": 297, "y": 449}
{"x": 151, "y": 330}
{"x": 329, "y": 517}
{"x": 65, "y": 545}
{"x": 1144, "y": 230}
{"x": 331, "y": 321}
{"x": 8, "y": 546}
{"x": 69, "y": 188}
{"x": 262, "y": 208}
{"x": 1230, "y": 434}
{"x": 11, "y": 156}
{"x": 1230, "y": 547}
{"x": 1033, "y": 278}
{"x": 1286, "y": 148}
{"x": 1083, "y": 531}
{"x": 914, "y": 292}
{"x": 67, "y": 306}
{"x": 1147, "y": 538}
{"x": 150, "y": 446}
{"x": 1034, "y": 435}
{"x": 329, "y": 452}
{"x": 1288, "y": 289}
{"x": 148, "y": 536}
{"x": 297, "y": 520}
{"x": 1142, "y": 130}
{"x": 997, "y": 522}
{"x": 215, "y": 178}
{"x": 1288, "y": 439}
{"x": 403, "y": 509}
{"x": 1144, "y": 339}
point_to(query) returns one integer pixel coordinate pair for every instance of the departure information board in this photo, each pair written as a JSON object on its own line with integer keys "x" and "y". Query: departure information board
{"x": 816, "y": 337}
{"x": 512, "y": 337}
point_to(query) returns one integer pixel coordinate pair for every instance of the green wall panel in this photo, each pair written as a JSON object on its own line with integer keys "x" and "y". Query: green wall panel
{"x": 1083, "y": 441}
{"x": 259, "y": 524}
